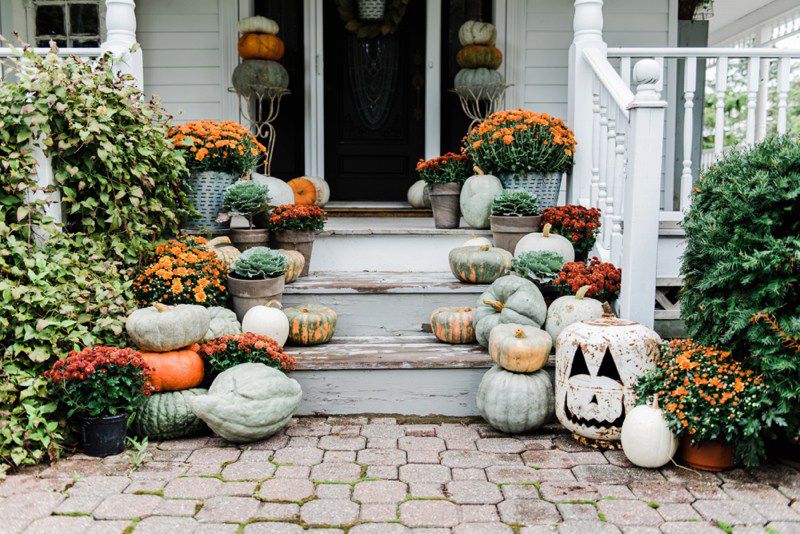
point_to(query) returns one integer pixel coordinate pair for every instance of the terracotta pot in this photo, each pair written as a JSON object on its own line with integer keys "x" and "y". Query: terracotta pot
{"x": 302, "y": 242}
{"x": 713, "y": 456}
{"x": 507, "y": 231}
{"x": 249, "y": 293}
{"x": 445, "y": 204}
{"x": 244, "y": 238}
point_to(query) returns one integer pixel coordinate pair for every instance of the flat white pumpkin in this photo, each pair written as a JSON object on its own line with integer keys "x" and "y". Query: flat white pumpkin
{"x": 279, "y": 191}
{"x": 322, "y": 188}
{"x": 267, "y": 321}
{"x": 419, "y": 195}
{"x": 646, "y": 438}
{"x": 257, "y": 24}
{"x": 477, "y": 32}
{"x": 570, "y": 309}
{"x": 161, "y": 328}
{"x": 477, "y": 195}
{"x": 476, "y": 241}
{"x": 546, "y": 241}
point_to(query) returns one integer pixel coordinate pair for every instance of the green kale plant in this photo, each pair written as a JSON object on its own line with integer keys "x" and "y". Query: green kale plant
{"x": 246, "y": 198}
{"x": 540, "y": 266}
{"x": 515, "y": 204}
{"x": 260, "y": 263}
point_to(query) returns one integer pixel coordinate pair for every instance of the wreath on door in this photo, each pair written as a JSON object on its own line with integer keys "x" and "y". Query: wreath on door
{"x": 367, "y": 29}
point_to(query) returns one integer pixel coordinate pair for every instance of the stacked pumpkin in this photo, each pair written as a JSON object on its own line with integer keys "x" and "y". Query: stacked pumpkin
{"x": 260, "y": 49}
{"x": 478, "y": 58}
{"x": 310, "y": 190}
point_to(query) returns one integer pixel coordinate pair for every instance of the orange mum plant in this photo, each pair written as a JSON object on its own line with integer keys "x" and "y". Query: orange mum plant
{"x": 521, "y": 142}
{"x": 225, "y": 146}
{"x": 183, "y": 272}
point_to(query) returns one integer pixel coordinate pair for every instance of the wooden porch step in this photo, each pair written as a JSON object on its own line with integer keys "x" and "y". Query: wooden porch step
{"x": 355, "y": 208}
{"x": 380, "y": 282}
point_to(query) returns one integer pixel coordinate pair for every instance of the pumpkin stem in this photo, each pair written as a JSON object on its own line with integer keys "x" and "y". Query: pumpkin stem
{"x": 655, "y": 401}
{"x": 274, "y": 304}
{"x": 221, "y": 240}
{"x": 546, "y": 230}
{"x": 160, "y": 307}
{"x": 581, "y": 293}
{"x": 519, "y": 334}
{"x": 477, "y": 170}
{"x": 608, "y": 311}
{"x": 484, "y": 248}
{"x": 496, "y": 304}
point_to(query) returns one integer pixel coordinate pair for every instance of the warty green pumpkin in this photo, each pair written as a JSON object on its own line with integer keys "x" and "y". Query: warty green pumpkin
{"x": 223, "y": 322}
{"x": 255, "y": 75}
{"x": 479, "y": 265}
{"x": 515, "y": 402}
{"x": 477, "y": 78}
{"x": 310, "y": 324}
{"x": 248, "y": 402}
{"x": 161, "y": 328}
{"x": 452, "y": 324}
{"x": 479, "y": 56}
{"x": 510, "y": 299}
{"x": 168, "y": 416}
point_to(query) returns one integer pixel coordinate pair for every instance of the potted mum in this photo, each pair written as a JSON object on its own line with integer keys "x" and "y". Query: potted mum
{"x": 247, "y": 199}
{"x": 444, "y": 176}
{"x": 101, "y": 387}
{"x": 514, "y": 214}
{"x": 294, "y": 228}
{"x": 256, "y": 279}
{"x": 217, "y": 154}
{"x": 528, "y": 151}
{"x": 225, "y": 352}
{"x": 603, "y": 279}
{"x": 716, "y": 405}
{"x": 577, "y": 223}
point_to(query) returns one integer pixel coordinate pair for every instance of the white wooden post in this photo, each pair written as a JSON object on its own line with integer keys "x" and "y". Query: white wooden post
{"x": 588, "y": 33}
{"x": 642, "y": 196}
{"x": 46, "y": 179}
{"x": 121, "y": 38}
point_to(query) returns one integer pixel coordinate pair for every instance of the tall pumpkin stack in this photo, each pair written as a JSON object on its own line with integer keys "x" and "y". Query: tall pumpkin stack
{"x": 260, "y": 49}
{"x": 478, "y": 58}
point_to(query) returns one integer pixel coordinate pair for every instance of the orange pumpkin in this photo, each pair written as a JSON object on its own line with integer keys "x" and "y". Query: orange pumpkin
{"x": 519, "y": 348}
{"x": 479, "y": 56}
{"x": 453, "y": 325}
{"x": 305, "y": 194}
{"x": 175, "y": 370}
{"x": 261, "y": 46}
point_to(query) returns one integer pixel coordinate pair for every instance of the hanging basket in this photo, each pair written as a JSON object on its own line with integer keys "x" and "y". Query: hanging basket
{"x": 371, "y": 10}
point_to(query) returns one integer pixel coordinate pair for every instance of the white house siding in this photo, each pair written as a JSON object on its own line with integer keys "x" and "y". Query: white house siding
{"x": 186, "y": 46}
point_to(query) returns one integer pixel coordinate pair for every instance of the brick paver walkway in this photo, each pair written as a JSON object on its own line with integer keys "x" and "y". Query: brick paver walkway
{"x": 374, "y": 475}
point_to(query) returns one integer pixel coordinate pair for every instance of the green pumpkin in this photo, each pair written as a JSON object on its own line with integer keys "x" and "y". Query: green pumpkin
{"x": 479, "y": 56}
{"x": 477, "y": 195}
{"x": 310, "y": 324}
{"x": 168, "y": 416}
{"x": 515, "y": 402}
{"x": 248, "y": 402}
{"x": 477, "y": 77}
{"x": 510, "y": 299}
{"x": 479, "y": 265}
{"x": 253, "y": 75}
{"x": 223, "y": 322}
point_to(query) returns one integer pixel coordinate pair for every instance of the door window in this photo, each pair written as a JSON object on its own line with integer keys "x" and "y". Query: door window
{"x": 69, "y": 23}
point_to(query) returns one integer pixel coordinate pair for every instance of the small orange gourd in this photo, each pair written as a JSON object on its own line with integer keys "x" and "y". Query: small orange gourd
{"x": 305, "y": 194}
{"x": 453, "y": 325}
{"x": 261, "y": 46}
{"x": 175, "y": 370}
{"x": 519, "y": 348}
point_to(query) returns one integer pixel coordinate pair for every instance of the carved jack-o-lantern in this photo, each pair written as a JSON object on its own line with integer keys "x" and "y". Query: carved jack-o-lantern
{"x": 598, "y": 362}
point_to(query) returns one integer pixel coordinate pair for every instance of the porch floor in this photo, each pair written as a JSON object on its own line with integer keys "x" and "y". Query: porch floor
{"x": 381, "y": 475}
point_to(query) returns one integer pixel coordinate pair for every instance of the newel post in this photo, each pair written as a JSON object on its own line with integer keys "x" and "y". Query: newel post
{"x": 121, "y": 38}
{"x": 587, "y": 26}
{"x": 642, "y": 196}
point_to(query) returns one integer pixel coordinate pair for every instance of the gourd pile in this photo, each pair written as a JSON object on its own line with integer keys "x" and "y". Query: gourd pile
{"x": 260, "y": 49}
{"x": 478, "y": 58}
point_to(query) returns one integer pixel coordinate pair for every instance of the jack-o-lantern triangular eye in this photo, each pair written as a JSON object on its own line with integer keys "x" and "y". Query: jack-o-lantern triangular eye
{"x": 579, "y": 366}
{"x": 608, "y": 368}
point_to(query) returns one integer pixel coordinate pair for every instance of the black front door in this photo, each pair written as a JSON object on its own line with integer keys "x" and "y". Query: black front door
{"x": 374, "y": 107}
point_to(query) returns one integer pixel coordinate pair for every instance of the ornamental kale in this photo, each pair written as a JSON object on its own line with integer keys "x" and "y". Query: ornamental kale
{"x": 515, "y": 204}
{"x": 260, "y": 264}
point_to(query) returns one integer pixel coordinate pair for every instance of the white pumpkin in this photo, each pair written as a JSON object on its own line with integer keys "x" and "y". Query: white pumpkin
{"x": 279, "y": 191}
{"x": 162, "y": 328}
{"x": 477, "y": 195}
{"x": 546, "y": 241}
{"x": 267, "y": 321}
{"x": 257, "y": 24}
{"x": 419, "y": 195}
{"x": 646, "y": 438}
{"x": 477, "y": 32}
{"x": 476, "y": 241}
{"x": 571, "y": 309}
{"x": 322, "y": 188}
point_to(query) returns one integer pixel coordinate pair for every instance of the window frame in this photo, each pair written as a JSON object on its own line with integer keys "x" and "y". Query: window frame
{"x": 72, "y": 41}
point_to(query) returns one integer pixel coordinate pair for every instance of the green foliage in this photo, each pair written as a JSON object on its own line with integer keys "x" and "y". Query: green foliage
{"x": 515, "y": 204}
{"x": 247, "y": 198}
{"x": 260, "y": 264}
{"x": 540, "y": 266}
{"x": 742, "y": 264}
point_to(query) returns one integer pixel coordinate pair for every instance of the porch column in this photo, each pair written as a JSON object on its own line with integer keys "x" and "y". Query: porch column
{"x": 121, "y": 39}
{"x": 587, "y": 25}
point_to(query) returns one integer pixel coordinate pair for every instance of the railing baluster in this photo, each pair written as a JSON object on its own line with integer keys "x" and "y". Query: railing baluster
{"x": 689, "y": 83}
{"x": 625, "y": 70}
{"x": 611, "y": 164}
{"x": 595, "y": 184}
{"x": 603, "y": 176}
{"x": 720, "y": 86}
{"x": 783, "y": 91}
{"x": 618, "y": 191}
{"x": 752, "y": 94}
{"x": 762, "y": 99}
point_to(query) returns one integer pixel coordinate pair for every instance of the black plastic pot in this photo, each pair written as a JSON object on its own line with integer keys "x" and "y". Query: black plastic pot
{"x": 103, "y": 436}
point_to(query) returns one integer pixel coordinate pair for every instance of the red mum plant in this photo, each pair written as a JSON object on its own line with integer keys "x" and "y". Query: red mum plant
{"x": 295, "y": 217}
{"x": 603, "y": 278}
{"x": 100, "y": 381}
{"x": 228, "y": 351}
{"x": 577, "y": 223}
{"x": 445, "y": 169}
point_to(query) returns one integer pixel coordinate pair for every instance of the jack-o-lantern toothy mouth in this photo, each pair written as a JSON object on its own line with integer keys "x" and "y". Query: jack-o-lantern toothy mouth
{"x": 594, "y": 423}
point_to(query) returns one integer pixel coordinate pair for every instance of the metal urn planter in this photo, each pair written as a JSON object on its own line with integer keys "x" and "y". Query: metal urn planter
{"x": 546, "y": 187}
{"x": 206, "y": 191}
{"x": 301, "y": 241}
{"x": 445, "y": 204}
{"x": 508, "y": 230}
{"x": 244, "y": 238}
{"x": 249, "y": 293}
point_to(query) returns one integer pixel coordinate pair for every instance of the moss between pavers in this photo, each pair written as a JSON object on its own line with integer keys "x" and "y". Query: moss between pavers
{"x": 725, "y": 527}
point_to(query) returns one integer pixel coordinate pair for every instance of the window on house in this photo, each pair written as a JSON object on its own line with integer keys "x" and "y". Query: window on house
{"x": 69, "y": 23}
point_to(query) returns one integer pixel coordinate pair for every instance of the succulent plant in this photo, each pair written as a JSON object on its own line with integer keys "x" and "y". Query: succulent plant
{"x": 246, "y": 198}
{"x": 260, "y": 263}
{"x": 540, "y": 266}
{"x": 515, "y": 204}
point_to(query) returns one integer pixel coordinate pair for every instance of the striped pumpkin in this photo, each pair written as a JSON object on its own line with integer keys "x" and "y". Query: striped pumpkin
{"x": 453, "y": 325}
{"x": 479, "y": 57}
{"x": 310, "y": 324}
{"x": 479, "y": 265}
{"x": 294, "y": 264}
